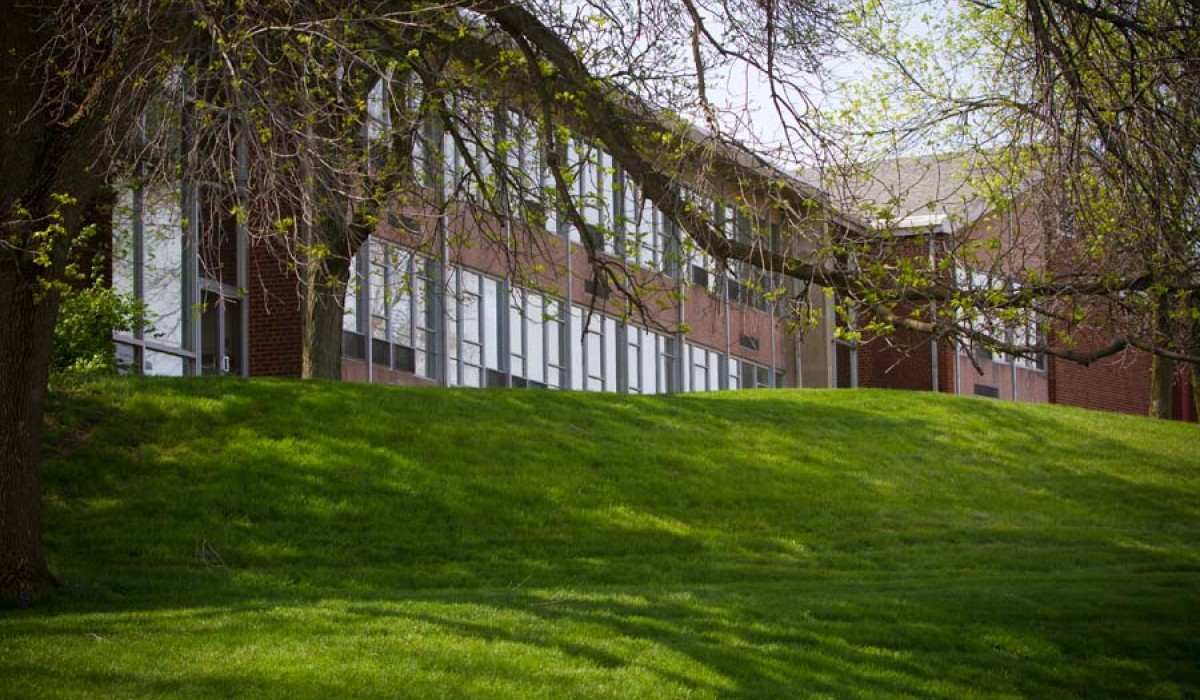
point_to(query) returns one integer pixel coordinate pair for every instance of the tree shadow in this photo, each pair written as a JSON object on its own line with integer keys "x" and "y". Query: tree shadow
{"x": 773, "y": 542}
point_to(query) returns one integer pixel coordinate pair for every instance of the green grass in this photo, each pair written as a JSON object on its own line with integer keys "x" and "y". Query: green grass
{"x": 230, "y": 539}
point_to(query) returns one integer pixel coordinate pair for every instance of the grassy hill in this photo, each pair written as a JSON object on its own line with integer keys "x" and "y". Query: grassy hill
{"x": 230, "y": 539}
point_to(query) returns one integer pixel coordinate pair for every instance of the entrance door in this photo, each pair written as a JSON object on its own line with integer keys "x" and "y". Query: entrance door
{"x": 220, "y": 334}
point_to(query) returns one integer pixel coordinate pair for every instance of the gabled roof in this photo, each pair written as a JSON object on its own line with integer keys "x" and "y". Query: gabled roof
{"x": 939, "y": 192}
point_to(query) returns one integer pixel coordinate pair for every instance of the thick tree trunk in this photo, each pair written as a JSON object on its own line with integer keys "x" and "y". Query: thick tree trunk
{"x": 324, "y": 294}
{"x": 25, "y": 345}
{"x": 1162, "y": 372}
{"x": 29, "y": 307}
{"x": 42, "y": 158}
{"x": 324, "y": 304}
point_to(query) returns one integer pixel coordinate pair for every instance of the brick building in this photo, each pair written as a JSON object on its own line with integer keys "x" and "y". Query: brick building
{"x": 436, "y": 299}
{"x": 932, "y": 205}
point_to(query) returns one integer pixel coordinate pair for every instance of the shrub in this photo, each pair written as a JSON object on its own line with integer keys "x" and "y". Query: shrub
{"x": 87, "y": 318}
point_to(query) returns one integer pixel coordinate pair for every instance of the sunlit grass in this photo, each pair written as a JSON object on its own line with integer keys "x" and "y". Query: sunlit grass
{"x": 259, "y": 539}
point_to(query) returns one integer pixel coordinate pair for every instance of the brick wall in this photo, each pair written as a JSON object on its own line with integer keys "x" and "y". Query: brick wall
{"x": 903, "y": 359}
{"x": 1120, "y": 383}
{"x": 947, "y": 366}
{"x": 275, "y": 336}
{"x": 842, "y": 380}
{"x": 1183, "y": 404}
{"x": 899, "y": 361}
{"x": 356, "y": 371}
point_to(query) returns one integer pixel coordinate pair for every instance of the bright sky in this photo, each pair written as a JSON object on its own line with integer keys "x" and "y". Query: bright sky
{"x": 745, "y": 94}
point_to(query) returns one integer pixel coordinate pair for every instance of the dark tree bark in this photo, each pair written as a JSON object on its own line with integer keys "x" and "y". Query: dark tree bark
{"x": 1194, "y": 348}
{"x": 31, "y": 268}
{"x": 1162, "y": 369}
{"x": 47, "y": 181}
{"x": 324, "y": 301}
{"x": 25, "y": 345}
{"x": 1162, "y": 373}
{"x": 333, "y": 240}
{"x": 28, "y": 315}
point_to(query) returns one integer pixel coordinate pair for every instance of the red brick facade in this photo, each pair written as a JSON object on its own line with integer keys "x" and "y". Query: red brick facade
{"x": 903, "y": 360}
{"x": 1119, "y": 383}
{"x": 275, "y": 331}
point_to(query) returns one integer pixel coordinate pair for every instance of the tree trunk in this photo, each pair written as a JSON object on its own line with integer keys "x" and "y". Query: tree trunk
{"x": 29, "y": 306}
{"x": 1194, "y": 370}
{"x": 1162, "y": 369}
{"x": 43, "y": 158}
{"x": 25, "y": 347}
{"x": 324, "y": 304}
{"x": 332, "y": 242}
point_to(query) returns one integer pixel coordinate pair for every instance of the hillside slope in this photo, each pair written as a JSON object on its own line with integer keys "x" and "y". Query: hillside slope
{"x": 311, "y": 540}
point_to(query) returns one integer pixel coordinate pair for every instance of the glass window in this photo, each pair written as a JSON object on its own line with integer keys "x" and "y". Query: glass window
{"x": 491, "y": 323}
{"x": 398, "y": 294}
{"x": 162, "y": 270}
{"x": 670, "y": 365}
{"x": 652, "y": 236}
{"x": 425, "y": 307}
{"x": 126, "y": 356}
{"x": 469, "y": 305}
{"x": 753, "y": 376}
{"x": 536, "y": 358}
{"x": 124, "y": 261}
{"x": 467, "y": 159}
{"x": 594, "y": 353}
{"x": 554, "y": 340}
{"x": 469, "y": 310}
{"x": 350, "y": 308}
{"x": 516, "y": 335}
{"x": 704, "y": 367}
{"x": 531, "y": 180}
{"x": 651, "y": 362}
{"x": 627, "y": 223}
{"x": 595, "y": 361}
{"x": 462, "y": 328}
{"x": 590, "y": 193}
{"x": 420, "y": 130}
{"x": 633, "y": 360}
{"x": 161, "y": 364}
{"x": 643, "y": 228}
{"x": 379, "y": 289}
{"x": 595, "y": 190}
{"x": 472, "y": 376}
{"x": 577, "y": 345}
{"x": 574, "y": 169}
{"x": 610, "y": 354}
{"x": 379, "y": 114}
{"x": 672, "y": 256}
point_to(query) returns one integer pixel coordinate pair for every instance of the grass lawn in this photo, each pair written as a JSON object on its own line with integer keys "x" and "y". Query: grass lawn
{"x": 273, "y": 539}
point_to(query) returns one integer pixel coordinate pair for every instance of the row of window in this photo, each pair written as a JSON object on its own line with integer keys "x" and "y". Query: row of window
{"x": 147, "y": 259}
{"x": 496, "y": 335}
{"x": 496, "y": 156}
{"x": 1019, "y": 329}
{"x": 398, "y": 323}
{"x": 149, "y": 264}
{"x": 400, "y": 316}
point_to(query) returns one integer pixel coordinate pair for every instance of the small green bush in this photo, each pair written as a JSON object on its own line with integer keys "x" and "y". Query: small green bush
{"x": 87, "y": 318}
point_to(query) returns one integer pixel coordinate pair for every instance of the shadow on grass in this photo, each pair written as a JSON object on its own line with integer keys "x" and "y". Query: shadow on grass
{"x": 852, "y": 545}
